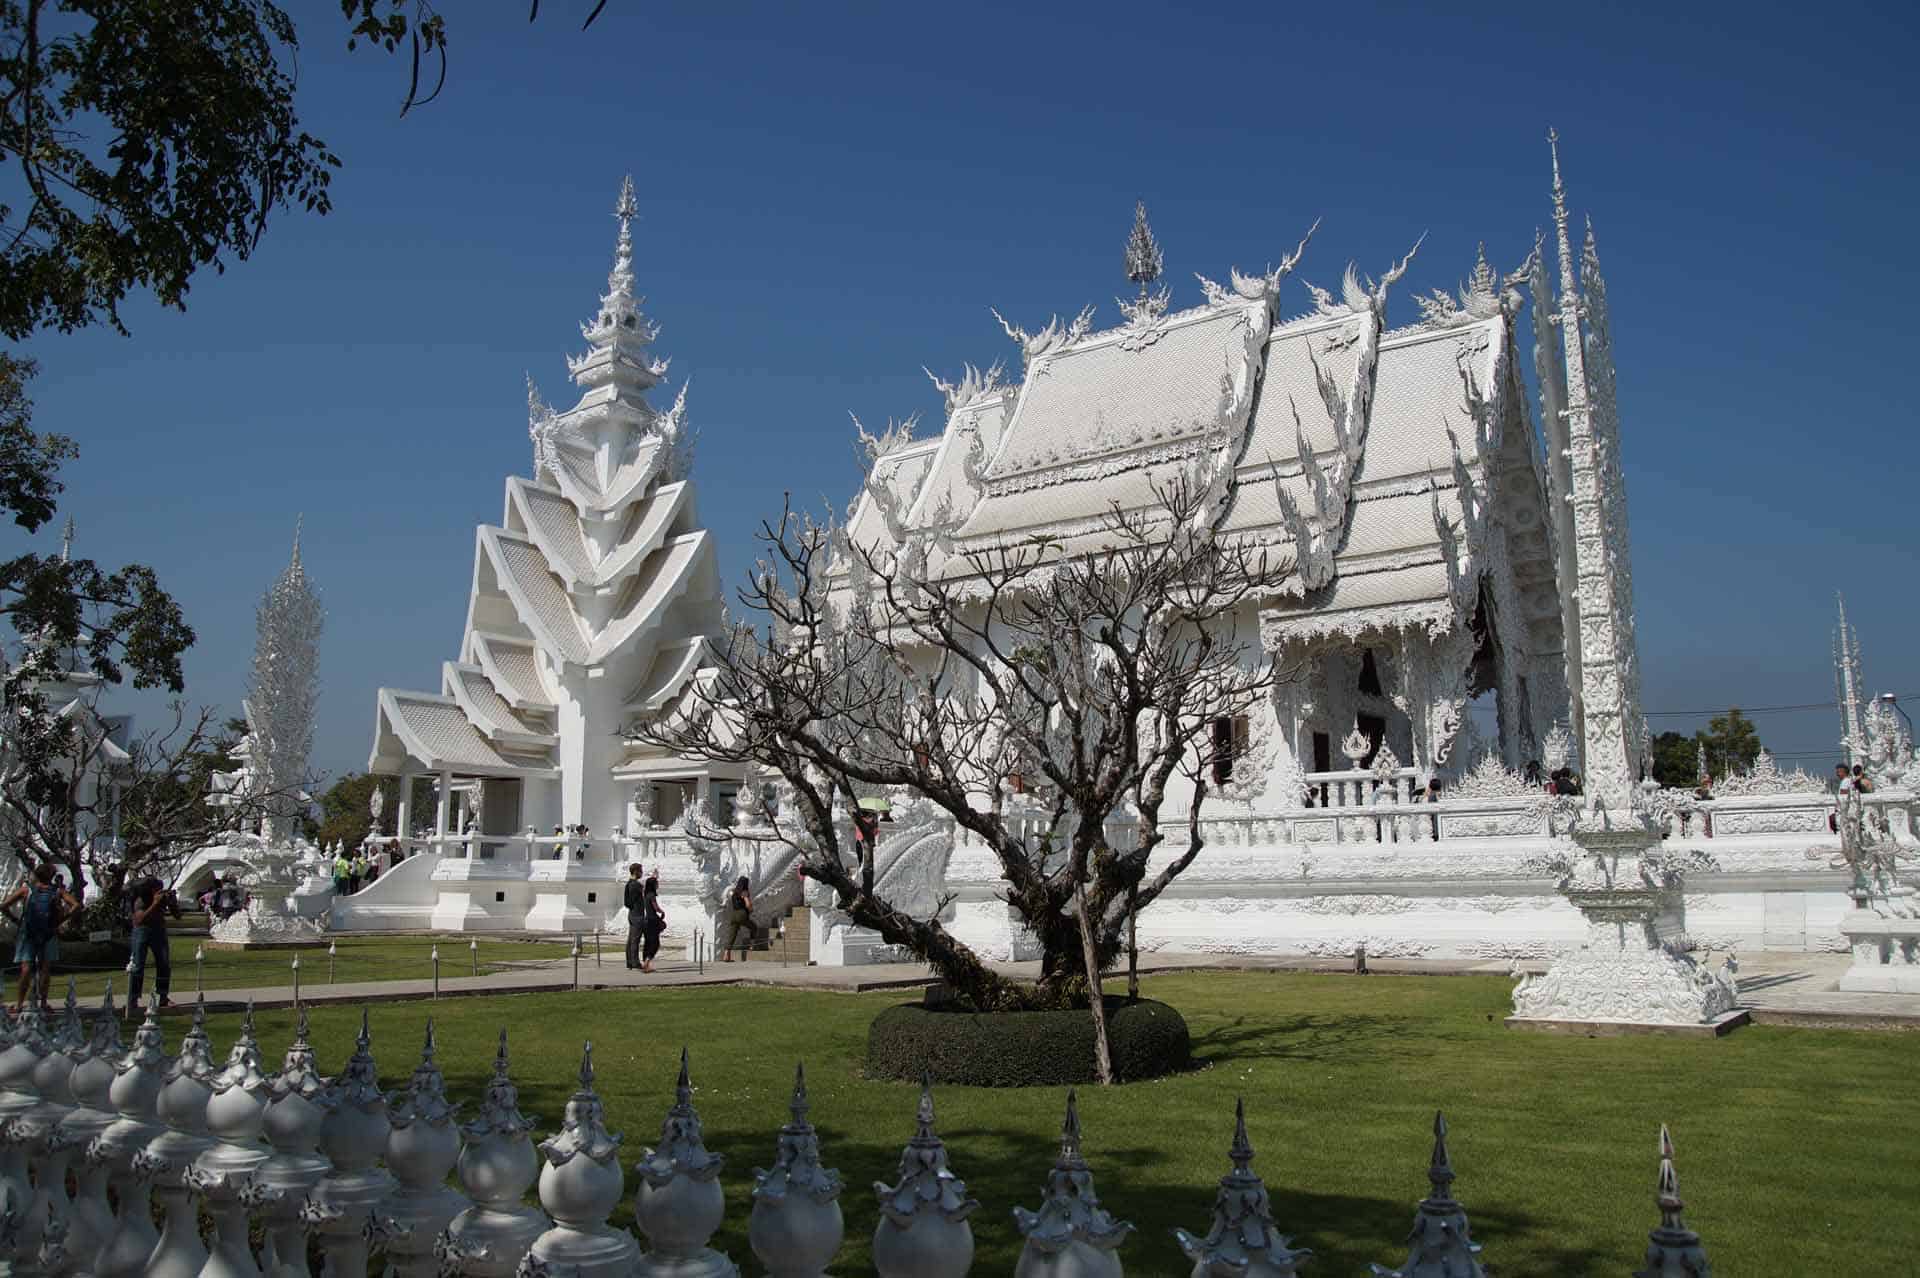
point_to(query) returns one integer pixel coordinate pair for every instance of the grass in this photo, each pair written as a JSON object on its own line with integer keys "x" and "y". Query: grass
{"x": 373, "y": 958}
{"x": 1795, "y": 1146}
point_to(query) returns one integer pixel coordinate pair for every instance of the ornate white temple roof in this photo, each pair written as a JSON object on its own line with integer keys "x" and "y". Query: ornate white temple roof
{"x": 1390, "y": 422}
{"x": 597, "y": 583}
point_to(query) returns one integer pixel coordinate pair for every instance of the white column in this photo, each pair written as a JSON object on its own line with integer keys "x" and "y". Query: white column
{"x": 443, "y": 804}
{"x": 403, "y": 816}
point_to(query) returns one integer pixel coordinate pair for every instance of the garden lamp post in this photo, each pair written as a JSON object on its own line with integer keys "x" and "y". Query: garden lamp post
{"x": 296, "y": 980}
{"x": 199, "y": 964}
{"x": 473, "y": 947}
{"x": 435, "y": 956}
{"x": 333, "y": 952}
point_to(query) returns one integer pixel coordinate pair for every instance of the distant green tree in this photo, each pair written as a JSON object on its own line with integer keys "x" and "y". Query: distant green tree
{"x": 1675, "y": 759}
{"x": 1732, "y": 742}
{"x": 344, "y": 817}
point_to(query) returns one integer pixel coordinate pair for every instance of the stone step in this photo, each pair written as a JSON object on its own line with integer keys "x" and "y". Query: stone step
{"x": 790, "y": 944}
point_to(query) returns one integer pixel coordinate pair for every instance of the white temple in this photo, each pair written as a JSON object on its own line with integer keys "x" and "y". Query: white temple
{"x": 1428, "y": 515}
{"x": 591, "y": 602}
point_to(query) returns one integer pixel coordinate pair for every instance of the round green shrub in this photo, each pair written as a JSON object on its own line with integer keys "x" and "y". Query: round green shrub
{"x": 1145, "y": 1039}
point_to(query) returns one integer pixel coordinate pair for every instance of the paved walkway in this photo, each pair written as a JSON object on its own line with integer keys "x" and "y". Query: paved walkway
{"x": 1777, "y": 988}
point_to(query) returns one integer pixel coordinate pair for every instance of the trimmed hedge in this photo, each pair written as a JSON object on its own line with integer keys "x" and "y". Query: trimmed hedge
{"x": 1025, "y": 1049}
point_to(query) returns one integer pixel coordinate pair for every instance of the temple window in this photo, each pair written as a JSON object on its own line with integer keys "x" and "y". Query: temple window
{"x": 1369, "y": 675}
{"x": 1229, "y": 743}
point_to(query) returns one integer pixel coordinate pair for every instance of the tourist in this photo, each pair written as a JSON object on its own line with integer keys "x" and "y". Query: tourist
{"x": 46, "y": 908}
{"x": 1704, "y": 793}
{"x": 1861, "y": 781}
{"x": 356, "y": 870}
{"x": 739, "y": 919}
{"x": 632, "y": 898}
{"x": 152, "y": 902}
{"x": 1432, "y": 795}
{"x": 342, "y": 870}
{"x": 1532, "y": 772}
{"x": 653, "y": 921}
{"x": 1571, "y": 785}
{"x": 559, "y": 842}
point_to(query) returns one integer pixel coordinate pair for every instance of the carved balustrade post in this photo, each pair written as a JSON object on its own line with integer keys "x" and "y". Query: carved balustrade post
{"x": 579, "y": 1187}
{"x": 223, "y": 1174}
{"x": 22, "y": 1043}
{"x": 183, "y": 1108}
{"x": 796, "y": 1227}
{"x": 1071, "y": 1236}
{"x": 135, "y": 1094}
{"x": 353, "y": 1138}
{"x": 679, "y": 1203}
{"x": 1441, "y": 1241}
{"x": 923, "y": 1230}
{"x": 294, "y": 1112}
{"x": 50, "y": 1148}
{"x": 498, "y": 1164}
{"x": 1243, "y": 1239}
{"x": 1673, "y": 1250}
{"x": 422, "y": 1147}
{"x": 92, "y": 1086}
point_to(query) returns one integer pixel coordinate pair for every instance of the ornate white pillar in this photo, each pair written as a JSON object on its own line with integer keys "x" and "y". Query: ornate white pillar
{"x": 138, "y": 1078}
{"x": 679, "y": 1203}
{"x": 1243, "y": 1238}
{"x": 92, "y": 1223}
{"x": 797, "y": 1226}
{"x": 923, "y": 1230}
{"x": 292, "y": 1119}
{"x": 497, "y": 1165}
{"x": 422, "y": 1147}
{"x": 344, "y": 1204}
{"x": 183, "y": 1108}
{"x": 223, "y": 1175}
{"x": 580, "y": 1187}
{"x": 1071, "y": 1236}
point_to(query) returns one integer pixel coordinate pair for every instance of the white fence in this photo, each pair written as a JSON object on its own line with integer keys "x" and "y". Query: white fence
{"x": 299, "y": 1156}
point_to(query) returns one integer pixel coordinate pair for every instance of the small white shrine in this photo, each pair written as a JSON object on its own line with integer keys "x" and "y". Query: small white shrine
{"x": 592, "y": 600}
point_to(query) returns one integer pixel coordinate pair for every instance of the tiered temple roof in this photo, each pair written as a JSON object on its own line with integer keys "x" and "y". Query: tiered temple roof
{"x": 595, "y": 572}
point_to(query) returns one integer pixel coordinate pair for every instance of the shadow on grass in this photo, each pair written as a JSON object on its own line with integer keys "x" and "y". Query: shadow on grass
{"x": 1299, "y": 1038}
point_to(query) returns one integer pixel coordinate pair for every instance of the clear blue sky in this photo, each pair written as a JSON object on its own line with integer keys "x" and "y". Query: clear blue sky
{"x": 832, "y": 196}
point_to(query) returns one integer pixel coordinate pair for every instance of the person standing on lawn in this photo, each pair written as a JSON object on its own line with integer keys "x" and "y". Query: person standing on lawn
{"x": 653, "y": 920}
{"x": 633, "y": 898}
{"x": 45, "y": 907}
{"x": 152, "y": 902}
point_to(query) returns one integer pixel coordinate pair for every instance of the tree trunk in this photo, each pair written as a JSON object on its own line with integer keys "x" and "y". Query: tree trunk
{"x": 1133, "y": 943}
{"x": 1096, "y": 1003}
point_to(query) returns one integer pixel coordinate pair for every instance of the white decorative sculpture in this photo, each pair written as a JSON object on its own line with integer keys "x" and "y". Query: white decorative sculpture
{"x": 342, "y": 1207}
{"x": 579, "y": 1187}
{"x": 295, "y": 1110}
{"x": 1355, "y": 746}
{"x": 1673, "y": 1250}
{"x": 679, "y": 1203}
{"x": 92, "y": 1222}
{"x": 1244, "y": 1241}
{"x": 1071, "y": 1236}
{"x": 138, "y": 1078}
{"x": 497, "y": 1165}
{"x": 183, "y": 1108}
{"x": 923, "y": 1230}
{"x": 796, "y": 1226}
{"x": 422, "y": 1148}
{"x": 1441, "y": 1244}
{"x": 223, "y": 1175}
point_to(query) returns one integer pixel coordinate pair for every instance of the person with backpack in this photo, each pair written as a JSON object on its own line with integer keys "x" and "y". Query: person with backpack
{"x": 152, "y": 902}
{"x": 739, "y": 921}
{"x": 45, "y": 908}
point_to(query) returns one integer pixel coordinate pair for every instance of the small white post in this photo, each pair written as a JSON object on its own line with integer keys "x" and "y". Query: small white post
{"x": 436, "y": 972}
{"x": 576, "y": 960}
{"x": 296, "y": 980}
{"x": 333, "y": 952}
{"x": 199, "y": 960}
{"x": 473, "y": 947}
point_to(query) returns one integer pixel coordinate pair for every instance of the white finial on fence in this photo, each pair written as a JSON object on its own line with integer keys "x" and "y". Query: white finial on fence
{"x": 497, "y": 1165}
{"x": 1243, "y": 1238}
{"x": 292, "y": 1120}
{"x": 1673, "y": 1250}
{"x": 679, "y": 1204}
{"x": 422, "y": 1148}
{"x": 1441, "y": 1241}
{"x": 923, "y": 1230}
{"x": 1071, "y": 1234}
{"x": 580, "y": 1186}
{"x": 797, "y": 1226}
{"x": 353, "y": 1139}
{"x": 183, "y": 1108}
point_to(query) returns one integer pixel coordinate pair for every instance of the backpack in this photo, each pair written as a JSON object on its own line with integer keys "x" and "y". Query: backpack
{"x": 38, "y": 920}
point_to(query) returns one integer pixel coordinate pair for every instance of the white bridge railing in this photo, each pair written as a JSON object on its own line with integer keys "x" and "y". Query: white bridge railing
{"x": 294, "y": 1157}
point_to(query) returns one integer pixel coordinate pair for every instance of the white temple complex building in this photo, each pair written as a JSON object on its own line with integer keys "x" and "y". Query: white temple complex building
{"x": 1414, "y": 478}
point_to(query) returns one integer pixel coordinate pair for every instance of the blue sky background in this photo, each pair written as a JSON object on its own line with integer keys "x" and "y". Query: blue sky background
{"x": 832, "y": 195}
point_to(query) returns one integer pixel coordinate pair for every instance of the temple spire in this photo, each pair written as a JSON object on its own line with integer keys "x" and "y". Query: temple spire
{"x": 1846, "y": 673}
{"x": 66, "y": 541}
{"x": 1144, "y": 259}
{"x": 620, "y": 279}
{"x": 618, "y": 334}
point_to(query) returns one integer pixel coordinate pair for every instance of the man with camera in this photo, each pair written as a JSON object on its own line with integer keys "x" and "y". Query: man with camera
{"x": 152, "y": 902}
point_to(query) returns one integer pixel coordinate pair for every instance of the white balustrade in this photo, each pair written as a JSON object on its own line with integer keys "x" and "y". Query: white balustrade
{"x": 210, "y": 1144}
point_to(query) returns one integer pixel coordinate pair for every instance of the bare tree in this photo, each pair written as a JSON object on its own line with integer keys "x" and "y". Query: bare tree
{"x": 1042, "y": 696}
{"x": 71, "y": 794}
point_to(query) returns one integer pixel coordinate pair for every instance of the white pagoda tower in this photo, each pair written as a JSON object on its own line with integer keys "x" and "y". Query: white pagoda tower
{"x": 591, "y": 603}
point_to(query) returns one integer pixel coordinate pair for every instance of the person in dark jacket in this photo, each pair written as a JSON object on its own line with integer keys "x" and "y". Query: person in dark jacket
{"x": 653, "y": 920}
{"x": 153, "y": 901}
{"x": 738, "y": 921}
{"x": 634, "y": 899}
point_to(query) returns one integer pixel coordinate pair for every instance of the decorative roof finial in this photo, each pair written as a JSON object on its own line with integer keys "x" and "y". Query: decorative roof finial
{"x": 620, "y": 281}
{"x": 923, "y": 1114}
{"x": 1144, "y": 259}
{"x": 1070, "y": 1131}
{"x": 298, "y": 520}
{"x": 1673, "y": 1250}
{"x": 1559, "y": 187}
{"x": 1240, "y": 1153}
{"x": 66, "y": 540}
{"x": 683, "y": 1085}
{"x": 1440, "y": 1173}
{"x": 798, "y": 1105}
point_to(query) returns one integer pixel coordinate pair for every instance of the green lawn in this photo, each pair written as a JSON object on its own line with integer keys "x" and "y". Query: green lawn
{"x": 370, "y": 958}
{"x": 1796, "y": 1147}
